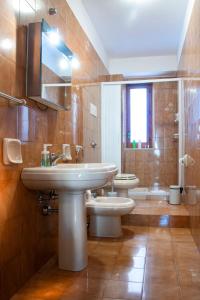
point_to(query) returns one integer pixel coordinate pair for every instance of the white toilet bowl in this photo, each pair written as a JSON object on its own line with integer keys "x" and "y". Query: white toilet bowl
{"x": 124, "y": 182}
{"x": 105, "y": 215}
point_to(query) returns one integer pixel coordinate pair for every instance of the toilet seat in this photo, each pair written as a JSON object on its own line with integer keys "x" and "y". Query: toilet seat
{"x": 125, "y": 182}
{"x": 125, "y": 177}
{"x": 122, "y": 182}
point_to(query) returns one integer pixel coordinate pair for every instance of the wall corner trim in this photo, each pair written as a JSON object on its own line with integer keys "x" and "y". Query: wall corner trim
{"x": 186, "y": 23}
{"x": 86, "y": 24}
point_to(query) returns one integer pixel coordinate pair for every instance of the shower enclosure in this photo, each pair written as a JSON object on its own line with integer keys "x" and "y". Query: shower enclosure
{"x": 157, "y": 166}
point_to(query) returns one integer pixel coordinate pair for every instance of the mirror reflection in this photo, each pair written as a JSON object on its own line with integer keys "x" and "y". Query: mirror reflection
{"x": 56, "y": 67}
{"x": 49, "y": 66}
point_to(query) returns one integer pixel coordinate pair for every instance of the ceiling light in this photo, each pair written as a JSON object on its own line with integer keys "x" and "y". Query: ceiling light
{"x": 63, "y": 64}
{"x": 6, "y": 44}
{"x": 54, "y": 37}
{"x": 75, "y": 63}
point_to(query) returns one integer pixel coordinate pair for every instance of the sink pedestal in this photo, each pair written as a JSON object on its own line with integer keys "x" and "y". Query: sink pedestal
{"x": 72, "y": 231}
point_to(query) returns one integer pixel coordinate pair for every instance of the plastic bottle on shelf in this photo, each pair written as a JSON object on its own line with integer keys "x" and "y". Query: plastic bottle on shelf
{"x": 134, "y": 144}
{"x": 139, "y": 144}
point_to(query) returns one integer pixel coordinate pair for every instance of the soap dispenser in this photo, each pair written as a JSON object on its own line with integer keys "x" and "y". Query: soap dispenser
{"x": 45, "y": 156}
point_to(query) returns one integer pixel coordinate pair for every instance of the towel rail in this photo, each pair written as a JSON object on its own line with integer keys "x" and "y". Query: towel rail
{"x": 6, "y": 96}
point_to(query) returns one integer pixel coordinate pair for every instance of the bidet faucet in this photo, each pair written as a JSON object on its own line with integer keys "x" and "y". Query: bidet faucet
{"x": 78, "y": 149}
{"x": 65, "y": 155}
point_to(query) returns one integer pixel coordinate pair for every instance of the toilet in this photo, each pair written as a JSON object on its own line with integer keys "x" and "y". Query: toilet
{"x": 105, "y": 215}
{"x": 123, "y": 182}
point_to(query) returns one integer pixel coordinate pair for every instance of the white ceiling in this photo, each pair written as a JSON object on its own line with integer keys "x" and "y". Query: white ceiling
{"x": 135, "y": 28}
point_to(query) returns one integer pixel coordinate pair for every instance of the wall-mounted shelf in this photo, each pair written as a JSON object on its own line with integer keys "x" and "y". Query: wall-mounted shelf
{"x": 14, "y": 99}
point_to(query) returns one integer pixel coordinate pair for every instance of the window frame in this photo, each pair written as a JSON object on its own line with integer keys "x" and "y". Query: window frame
{"x": 129, "y": 87}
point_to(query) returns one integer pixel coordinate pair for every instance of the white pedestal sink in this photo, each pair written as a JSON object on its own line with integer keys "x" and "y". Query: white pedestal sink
{"x": 70, "y": 180}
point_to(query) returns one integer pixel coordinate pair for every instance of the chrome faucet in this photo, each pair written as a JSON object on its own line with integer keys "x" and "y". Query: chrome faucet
{"x": 65, "y": 155}
{"x": 55, "y": 158}
{"x": 78, "y": 149}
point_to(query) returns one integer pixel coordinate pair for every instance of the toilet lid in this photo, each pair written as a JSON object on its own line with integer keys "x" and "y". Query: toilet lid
{"x": 125, "y": 177}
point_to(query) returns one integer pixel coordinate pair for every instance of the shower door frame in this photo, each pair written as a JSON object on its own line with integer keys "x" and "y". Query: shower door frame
{"x": 180, "y": 103}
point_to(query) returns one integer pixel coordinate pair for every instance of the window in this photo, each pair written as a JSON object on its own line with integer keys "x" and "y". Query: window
{"x": 139, "y": 115}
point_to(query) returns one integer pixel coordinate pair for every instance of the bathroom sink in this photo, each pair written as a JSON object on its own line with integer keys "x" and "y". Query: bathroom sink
{"x": 71, "y": 181}
{"x": 70, "y": 177}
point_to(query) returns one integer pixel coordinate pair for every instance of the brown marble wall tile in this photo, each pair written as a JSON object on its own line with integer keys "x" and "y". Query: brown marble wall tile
{"x": 27, "y": 239}
{"x": 158, "y": 164}
{"x": 189, "y": 68}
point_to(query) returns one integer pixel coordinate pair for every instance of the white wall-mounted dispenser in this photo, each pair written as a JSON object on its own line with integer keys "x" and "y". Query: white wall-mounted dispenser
{"x": 187, "y": 161}
{"x": 12, "y": 151}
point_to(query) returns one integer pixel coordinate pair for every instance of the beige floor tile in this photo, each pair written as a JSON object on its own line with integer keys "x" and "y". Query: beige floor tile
{"x": 88, "y": 286}
{"x": 133, "y": 251}
{"x": 177, "y": 231}
{"x": 136, "y": 232}
{"x": 91, "y": 248}
{"x": 128, "y": 274}
{"x": 107, "y": 250}
{"x": 131, "y": 242}
{"x": 138, "y": 229}
{"x": 101, "y": 260}
{"x": 189, "y": 278}
{"x": 159, "y": 261}
{"x": 185, "y": 247}
{"x": 188, "y": 263}
{"x": 113, "y": 242}
{"x": 128, "y": 261}
{"x": 157, "y": 291}
{"x": 159, "y": 233}
{"x": 157, "y": 248}
{"x": 185, "y": 251}
{"x": 92, "y": 242}
{"x": 165, "y": 244}
{"x": 182, "y": 238}
{"x": 159, "y": 230}
{"x": 166, "y": 261}
{"x": 123, "y": 290}
{"x": 77, "y": 295}
{"x": 157, "y": 274}
{"x": 98, "y": 271}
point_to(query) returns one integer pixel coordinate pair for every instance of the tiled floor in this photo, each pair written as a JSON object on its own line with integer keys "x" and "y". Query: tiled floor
{"x": 156, "y": 212}
{"x": 159, "y": 207}
{"x": 148, "y": 263}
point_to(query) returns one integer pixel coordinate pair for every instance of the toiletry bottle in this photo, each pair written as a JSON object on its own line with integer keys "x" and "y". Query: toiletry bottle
{"x": 134, "y": 144}
{"x": 139, "y": 144}
{"x": 45, "y": 156}
{"x": 129, "y": 136}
